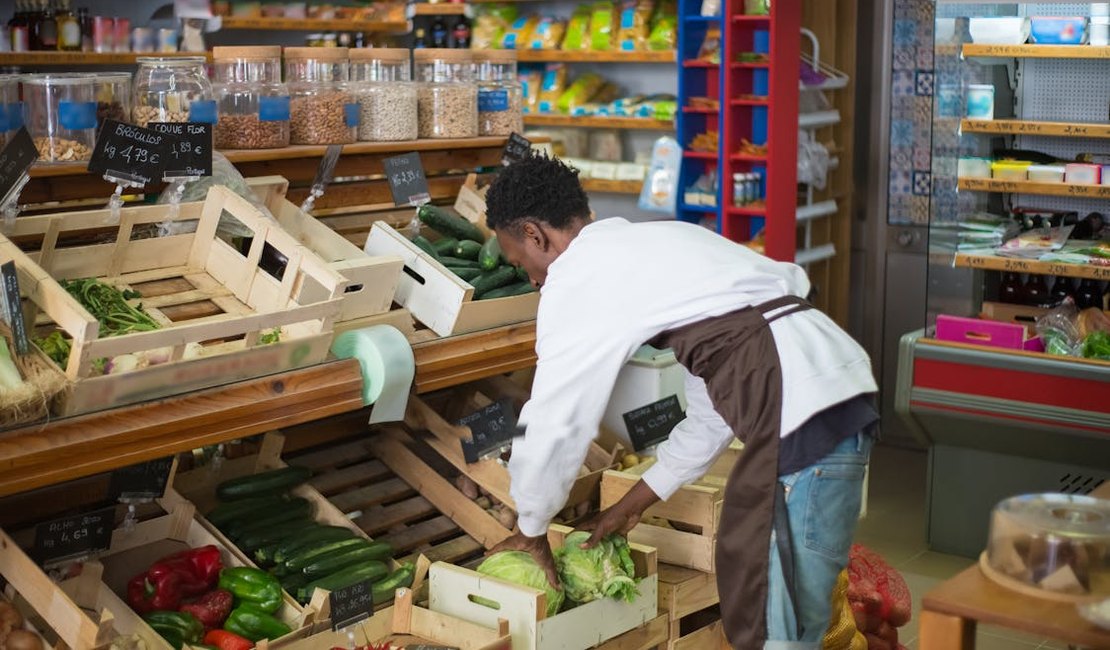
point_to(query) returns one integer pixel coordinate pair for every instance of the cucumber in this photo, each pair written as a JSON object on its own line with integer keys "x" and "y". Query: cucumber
{"x": 315, "y": 552}
{"x": 447, "y": 224}
{"x": 248, "y": 525}
{"x": 228, "y": 512}
{"x": 423, "y": 244}
{"x": 371, "y": 570}
{"x": 445, "y": 246}
{"x": 458, "y": 262}
{"x": 521, "y": 274}
{"x": 272, "y": 482}
{"x": 487, "y": 282}
{"x": 329, "y": 564}
{"x": 514, "y": 289}
{"x": 489, "y": 257}
{"x": 385, "y": 590}
{"x": 464, "y": 274}
{"x": 468, "y": 250}
{"x": 295, "y": 543}
{"x": 255, "y": 541}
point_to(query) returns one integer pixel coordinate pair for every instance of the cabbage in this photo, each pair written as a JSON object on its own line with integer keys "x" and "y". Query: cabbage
{"x": 519, "y": 568}
{"x": 604, "y": 571}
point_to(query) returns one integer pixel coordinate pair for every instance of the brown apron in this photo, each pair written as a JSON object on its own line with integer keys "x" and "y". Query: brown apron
{"x": 735, "y": 355}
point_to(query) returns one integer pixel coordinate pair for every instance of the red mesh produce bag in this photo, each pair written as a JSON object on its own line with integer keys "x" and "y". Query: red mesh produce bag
{"x": 877, "y": 592}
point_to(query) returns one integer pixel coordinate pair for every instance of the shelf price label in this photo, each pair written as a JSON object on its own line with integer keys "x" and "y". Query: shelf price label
{"x": 12, "y": 307}
{"x": 16, "y": 158}
{"x": 142, "y": 481}
{"x": 352, "y": 604}
{"x": 191, "y": 155}
{"x": 652, "y": 424}
{"x": 131, "y": 153}
{"x": 516, "y": 149}
{"x": 492, "y": 429}
{"x": 407, "y": 183}
{"x": 74, "y": 537}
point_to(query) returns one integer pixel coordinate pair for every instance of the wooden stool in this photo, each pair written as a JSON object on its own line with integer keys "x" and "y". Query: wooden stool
{"x": 951, "y": 610}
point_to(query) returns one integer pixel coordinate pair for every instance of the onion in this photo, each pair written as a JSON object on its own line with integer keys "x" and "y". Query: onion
{"x": 10, "y": 616}
{"x": 122, "y": 363}
{"x": 23, "y": 640}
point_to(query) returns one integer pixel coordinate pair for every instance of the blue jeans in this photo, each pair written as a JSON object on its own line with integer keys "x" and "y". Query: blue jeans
{"x": 823, "y": 502}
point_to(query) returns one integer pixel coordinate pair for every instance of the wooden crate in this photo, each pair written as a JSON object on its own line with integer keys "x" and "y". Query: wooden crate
{"x": 684, "y": 527}
{"x": 197, "y": 286}
{"x": 688, "y": 596}
{"x": 452, "y": 588}
{"x": 405, "y": 623}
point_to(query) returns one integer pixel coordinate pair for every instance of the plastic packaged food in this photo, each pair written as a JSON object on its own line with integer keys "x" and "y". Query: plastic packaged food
{"x": 553, "y": 85}
{"x": 500, "y": 102}
{"x": 322, "y": 109}
{"x": 447, "y": 96}
{"x": 387, "y": 97}
{"x": 253, "y": 104}
{"x": 518, "y": 33}
{"x": 974, "y": 168}
{"x": 59, "y": 111}
{"x": 1082, "y": 174}
{"x": 172, "y": 89}
{"x": 635, "y": 25}
{"x": 601, "y": 26}
{"x": 490, "y": 25}
{"x": 710, "y": 50}
{"x": 531, "y": 80}
{"x": 606, "y": 145}
{"x": 113, "y": 97}
{"x": 579, "y": 92}
{"x": 664, "y": 32}
{"x": 578, "y": 30}
{"x": 1010, "y": 170}
{"x": 1048, "y": 173}
{"x": 547, "y": 35}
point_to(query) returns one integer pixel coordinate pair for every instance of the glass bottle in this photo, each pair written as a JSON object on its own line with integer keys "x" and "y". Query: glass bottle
{"x": 419, "y": 38}
{"x": 68, "y": 28}
{"x": 461, "y": 34}
{"x": 48, "y": 29}
{"x": 1061, "y": 289}
{"x": 439, "y": 33}
{"x": 85, "y": 21}
{"x": 19, "y": 28}
{"x": 1088, "y": 294}
{"x": 1010, "y": 290}
{"x": 34, "y": 23}
{"x": 1035, "y": 293}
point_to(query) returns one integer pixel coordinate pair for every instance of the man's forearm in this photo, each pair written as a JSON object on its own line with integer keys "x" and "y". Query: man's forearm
{"x": 639, "y": 498}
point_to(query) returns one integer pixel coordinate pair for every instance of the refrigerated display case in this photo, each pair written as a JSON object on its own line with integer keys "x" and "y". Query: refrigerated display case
{"x": 1001, "y": 421}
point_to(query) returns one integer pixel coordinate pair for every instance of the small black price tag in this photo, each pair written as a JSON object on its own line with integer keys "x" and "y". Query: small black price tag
{"x": 74, "y": 536}
{"x": 143, "y": 481}
{"x": 650, "y": 425}
{"x": 424, "y": 646}
{"x": 350, "y": 605}
{"x": 407, "y": 182}
{"x": 516, "y": 149}
{"x": 131, "y": 152}
{"x": 191, "y": 155}
{"x": 16, "y": 158}
{"x": 491, "y": 429}
{"x": 13, "y": 308}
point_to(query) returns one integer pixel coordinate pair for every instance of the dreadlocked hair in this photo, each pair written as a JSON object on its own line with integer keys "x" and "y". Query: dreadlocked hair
{"x": 537, "y": 187}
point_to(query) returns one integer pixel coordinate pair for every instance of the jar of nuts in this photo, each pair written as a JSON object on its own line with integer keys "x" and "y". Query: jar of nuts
{"x": 113, "y": 97}
{"x": 323, "y": 110}
{"x": 11, "y": 111}
{"x": 59, "y": 111}
{"x": 172, "y": 89}
{"x": 252, "y": 102}
{"x": 447, "y": 97}
{"x": 381, "y": 80}
{"x": 500, "y": 97}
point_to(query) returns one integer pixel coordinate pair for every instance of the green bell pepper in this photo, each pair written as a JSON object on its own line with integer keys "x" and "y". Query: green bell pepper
{"x": 252, "y": 586}
{"x": 252, "y": 623}
{"x": 177, "y": 628}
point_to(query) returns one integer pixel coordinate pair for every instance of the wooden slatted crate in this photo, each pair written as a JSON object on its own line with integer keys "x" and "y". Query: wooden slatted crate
{"x": 197, "y": 286}
{"x": 689, "y": 598}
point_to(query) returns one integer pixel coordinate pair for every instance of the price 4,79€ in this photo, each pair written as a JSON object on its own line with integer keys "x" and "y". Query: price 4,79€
{"x": 133, "y": 154}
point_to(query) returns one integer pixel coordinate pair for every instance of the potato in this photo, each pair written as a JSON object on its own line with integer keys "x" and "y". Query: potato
{"x": 506, "y": 517}
{"x": 10, "y": 616}
{"x": 629, "y": 460}
{"x": 23, "y": 640}
{"x": 467, "y": 486}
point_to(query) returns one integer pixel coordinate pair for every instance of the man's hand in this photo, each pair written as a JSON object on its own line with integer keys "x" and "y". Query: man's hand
{"x": 540, "y": 550}
{"x": 622, "y": 516}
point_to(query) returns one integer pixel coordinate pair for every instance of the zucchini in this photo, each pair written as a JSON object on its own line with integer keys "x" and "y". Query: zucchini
{"x": 445, "y": 246}
{"x": 458, "y": 262}
{"x": 295, "y": 543}
{"x": 315, "y": 552}
{"x": 464, "y": 274}
{"x": 514, "y": 289}
{"x": 228, "y": 512}
{"x": 340, "y": 579}
{"x": 468, "y": 250}
{"x": 272, "y": 482}
{"x": 489, "y": 257}
{"x": 423, "y": 244}
{"x": 246, "y": 519}
{"x": 248, "y": 525}
{"x": 447, "y": 224}
{"x": 293, "y": 581}
{"x": 497, "y": 278}
{"x": 255, "y": 541}
{"x": 329, "y": 564}
{"x": 385, "y": 590}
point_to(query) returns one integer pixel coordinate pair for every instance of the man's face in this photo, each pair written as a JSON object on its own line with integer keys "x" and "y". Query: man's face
{"x": 529, "y": 248}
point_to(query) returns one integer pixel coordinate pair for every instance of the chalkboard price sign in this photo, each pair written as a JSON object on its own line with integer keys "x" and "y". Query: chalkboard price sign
{"x": 16, "y": 158}
{"x": 650, "y": 425}
{"x": 491, "y": 429}
{"x": 191, "y": 155}
{"x": 351, "y": 604}
{"x": 143, "y": 481}
{"x": 74, "y": 536}
{"x": 131, "y": 152}
{"x": 516, "y": 149}
{"x": 13, "y": 308}
{"x": 407, "y": 182}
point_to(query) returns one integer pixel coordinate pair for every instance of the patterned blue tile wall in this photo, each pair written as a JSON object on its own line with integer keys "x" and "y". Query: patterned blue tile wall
{"x": 911, "y": 113}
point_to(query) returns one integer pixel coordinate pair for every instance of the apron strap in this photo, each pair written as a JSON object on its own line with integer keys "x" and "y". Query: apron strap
{"x": 785, "y": 545}
{"x": 795, "y": 304}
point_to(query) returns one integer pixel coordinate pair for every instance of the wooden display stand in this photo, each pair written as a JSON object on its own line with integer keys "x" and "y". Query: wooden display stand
{"x": 684, "y": 594}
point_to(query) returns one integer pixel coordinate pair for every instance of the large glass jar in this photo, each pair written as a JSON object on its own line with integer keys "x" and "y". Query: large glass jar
{"x": 448, "y": 96}
{"x": 172, "y": 89}
{"x": 11, "y": 110}
{"x": 113, "y": 97}
{"x": 59, "y": 111}
{"x": 322, "y": 109}
{"x": 381, "y": 79}
{"x": 252, "y": 102}
{"x": 500, "y": 97}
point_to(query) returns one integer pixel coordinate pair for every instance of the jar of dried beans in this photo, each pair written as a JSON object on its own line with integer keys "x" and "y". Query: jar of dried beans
{"x": 323, "y": 110}
{"x": 447, "y": 95}
{"x": 252, "y": 102}
{"x": 381, "y": 79}
{"x": 59, "y": 111}
{"x": 172, "y": 89}
{"x": 500, "y": 97}
{"x": 113, "y": 97}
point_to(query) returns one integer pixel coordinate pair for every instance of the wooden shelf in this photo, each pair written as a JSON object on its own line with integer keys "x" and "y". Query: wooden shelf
{"x": 590, "y": 56}
{"x": 439, "y": 9}
{"x": 745, "y": 65}
{"x": 999, "y": 263}
{"x": 743, "y": 157}
{"x": 748, "y": 211}
{"x": 612, "y": 187}
{"x": 1037, "y": 51}
{"x": 1030, "y": 187}
{"x": 701, "y": 110}
{"x": 749, "y": 102}
{"x": 698, "y": 63}
{"x": 744, "y": 18}
{"x": 700, "y": 155}
{"x": 84, "y": 58}
{"x": 314, "y": 25}
{"x": 1029, "y": 127}
{"x": 599, "y": 122}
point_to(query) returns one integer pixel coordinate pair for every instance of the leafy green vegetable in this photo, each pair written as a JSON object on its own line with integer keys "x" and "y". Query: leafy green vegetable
{"x": 109, "y": 306}
{"x": 519, "y": 568}
{"x": 56, "y": 346}
{"x": 1096, "y": 345}
{"x": 604, "y": 571}
{"x": 273, "y": 336}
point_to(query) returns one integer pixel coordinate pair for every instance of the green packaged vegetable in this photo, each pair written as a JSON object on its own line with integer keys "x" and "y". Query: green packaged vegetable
{"x": 1096, "y": 346}
{"x": 252, "y": 586}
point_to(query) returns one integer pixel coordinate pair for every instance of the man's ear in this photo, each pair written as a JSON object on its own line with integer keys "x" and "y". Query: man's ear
{"x": 535, "y": 234}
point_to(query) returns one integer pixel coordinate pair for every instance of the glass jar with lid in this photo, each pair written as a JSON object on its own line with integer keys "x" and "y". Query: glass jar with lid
{"x": 322, "y": 109}
{"x": 447, "y": 95}
{"x": 500, "y": 97}
{"x": 172, "y": 89}
{"x": 59, "y": 111}
{"x": 11, "y": 110}
{"x": 381, "y": 79}
{"x": 113, "y": 97}
{"x": 252, "y": 102}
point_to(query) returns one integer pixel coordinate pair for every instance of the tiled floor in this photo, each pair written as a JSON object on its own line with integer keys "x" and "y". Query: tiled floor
{"x": 895, "y": 527}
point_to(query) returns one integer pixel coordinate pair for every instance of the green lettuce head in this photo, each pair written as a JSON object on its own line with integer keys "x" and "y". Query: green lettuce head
{"x": 604, "y": 571}
{"x": 519, "y": 568}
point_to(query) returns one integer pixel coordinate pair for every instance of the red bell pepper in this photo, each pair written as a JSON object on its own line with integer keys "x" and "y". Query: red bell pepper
{"x": 168, "y": 581}
{"x": 210, "y": 609}
{"x": 146, "y": 594}
{"x": 225, "y": 640}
